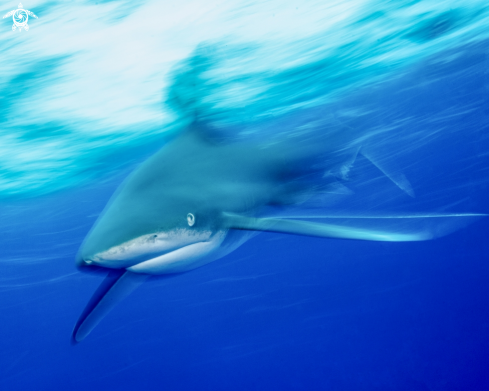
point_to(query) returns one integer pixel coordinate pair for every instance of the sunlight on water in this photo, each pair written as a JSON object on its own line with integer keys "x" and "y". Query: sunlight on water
{"x": 83, "y": 89}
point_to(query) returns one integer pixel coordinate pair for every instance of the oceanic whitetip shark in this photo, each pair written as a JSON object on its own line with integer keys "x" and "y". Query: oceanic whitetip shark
{"x": 198, "y": 199}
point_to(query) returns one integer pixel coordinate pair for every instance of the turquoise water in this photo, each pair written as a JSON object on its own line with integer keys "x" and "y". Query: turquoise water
{"x": 93, "y": 85}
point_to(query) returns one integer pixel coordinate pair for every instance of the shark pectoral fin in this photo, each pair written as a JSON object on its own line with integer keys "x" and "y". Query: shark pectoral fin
{"x": 307, "y": 228}
{"x": 116, "y": 286}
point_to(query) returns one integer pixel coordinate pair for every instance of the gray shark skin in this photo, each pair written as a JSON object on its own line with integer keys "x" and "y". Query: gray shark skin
{"x": 197, "y": 200}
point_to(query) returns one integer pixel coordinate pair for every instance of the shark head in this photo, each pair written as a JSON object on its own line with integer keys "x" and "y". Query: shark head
{"x": 168, "y": 216}
{"x": 170, "y": 236}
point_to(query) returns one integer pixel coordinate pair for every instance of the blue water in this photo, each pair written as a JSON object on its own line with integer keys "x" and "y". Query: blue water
{"x": 93, "y": 88}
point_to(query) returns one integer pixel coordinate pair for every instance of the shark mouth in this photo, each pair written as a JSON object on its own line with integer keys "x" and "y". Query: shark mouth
{"x": 159, "y": 253}
{"x": 182, "y": 259}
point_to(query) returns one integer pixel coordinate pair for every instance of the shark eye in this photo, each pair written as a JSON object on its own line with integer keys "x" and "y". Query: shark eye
{"x": 190, "y": 219}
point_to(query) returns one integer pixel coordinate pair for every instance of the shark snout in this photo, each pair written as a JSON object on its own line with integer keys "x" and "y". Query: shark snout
{"x": 82, "y": 260}
{"x": 85, "y": 264}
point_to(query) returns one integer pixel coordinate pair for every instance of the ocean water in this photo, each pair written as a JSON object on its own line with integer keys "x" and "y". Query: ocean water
{"x": 94, "y": 88}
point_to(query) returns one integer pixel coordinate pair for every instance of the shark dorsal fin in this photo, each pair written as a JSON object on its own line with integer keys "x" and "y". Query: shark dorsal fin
{"x": 389, "y": 169}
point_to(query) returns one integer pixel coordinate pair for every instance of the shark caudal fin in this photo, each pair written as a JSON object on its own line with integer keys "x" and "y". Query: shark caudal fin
{"x": 381, "y": 228}
{"x": 117, "y": 285}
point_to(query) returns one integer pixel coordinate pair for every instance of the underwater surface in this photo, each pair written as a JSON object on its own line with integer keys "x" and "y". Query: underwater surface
{"x": 94, "y": 88}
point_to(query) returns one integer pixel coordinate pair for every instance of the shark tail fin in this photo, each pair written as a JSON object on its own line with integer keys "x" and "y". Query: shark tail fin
{"x": 117, "y": 285}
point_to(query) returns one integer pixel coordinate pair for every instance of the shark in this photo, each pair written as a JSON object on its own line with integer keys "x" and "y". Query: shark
{"x": 199, "y": 198}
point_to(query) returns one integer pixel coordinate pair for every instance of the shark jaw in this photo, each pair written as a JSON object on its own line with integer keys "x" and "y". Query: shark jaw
{"x": 159, "y": 253}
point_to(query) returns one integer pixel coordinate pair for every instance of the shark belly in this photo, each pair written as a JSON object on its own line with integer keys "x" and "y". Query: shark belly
{"x": 183, "y": 259}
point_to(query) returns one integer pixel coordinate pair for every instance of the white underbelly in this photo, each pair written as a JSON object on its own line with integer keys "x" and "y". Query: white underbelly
{"x": 183, "y": 259}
